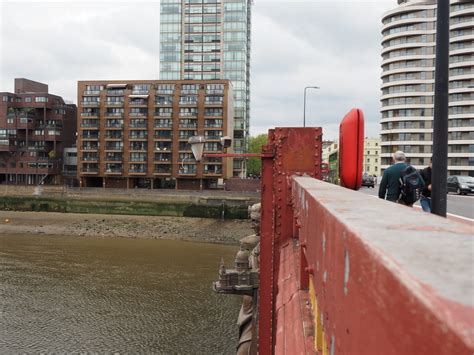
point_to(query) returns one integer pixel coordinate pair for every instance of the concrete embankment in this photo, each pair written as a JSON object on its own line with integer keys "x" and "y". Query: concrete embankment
{"x": 207, "y": 204}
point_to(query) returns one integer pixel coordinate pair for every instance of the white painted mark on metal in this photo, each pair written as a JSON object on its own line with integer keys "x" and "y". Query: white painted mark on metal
{"x": 325, "y": 276}
{"x": 324, "y": 242}
{"x": 333, "y": 344}
{"x": 346, "y": 270}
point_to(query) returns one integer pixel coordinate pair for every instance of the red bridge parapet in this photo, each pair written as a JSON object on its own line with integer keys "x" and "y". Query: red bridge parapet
{"x": 384, "y": 278}
{"x": 380, "y": 278}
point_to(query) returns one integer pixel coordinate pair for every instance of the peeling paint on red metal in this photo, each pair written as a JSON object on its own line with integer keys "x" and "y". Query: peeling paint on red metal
{"x": 296, "y": 151}
{"x": 292, "y": 312}
{"x": 265, "y": 312}
{"x": 384, "y": 288}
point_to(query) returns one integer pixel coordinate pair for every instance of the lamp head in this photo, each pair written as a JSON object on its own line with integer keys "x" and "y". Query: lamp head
{"x": 226, "y": 141}
{"x": 197, "y": 146}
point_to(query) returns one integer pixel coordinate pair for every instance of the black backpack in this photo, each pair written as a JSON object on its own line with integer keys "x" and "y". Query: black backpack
{"x": 411, "y": 184}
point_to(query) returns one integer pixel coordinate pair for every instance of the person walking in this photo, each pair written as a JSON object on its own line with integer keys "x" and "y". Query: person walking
{"x": 425, "y": 198}
{"x": 390, "y": 187}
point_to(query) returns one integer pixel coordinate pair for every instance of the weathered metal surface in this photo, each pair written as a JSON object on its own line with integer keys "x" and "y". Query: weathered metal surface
{"x": 294, "y": 326}
{"x": 265, "y": 312}
{"x": 295, "y": 151}
{"x": 387, "y": 279}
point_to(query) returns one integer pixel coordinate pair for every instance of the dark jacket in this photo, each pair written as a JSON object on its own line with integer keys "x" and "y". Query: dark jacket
{"x": 426, "y": 175}
{"x": 390, "y": 185}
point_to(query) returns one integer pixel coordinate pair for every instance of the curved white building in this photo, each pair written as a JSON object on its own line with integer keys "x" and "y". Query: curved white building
{"x": 408, "y": 65}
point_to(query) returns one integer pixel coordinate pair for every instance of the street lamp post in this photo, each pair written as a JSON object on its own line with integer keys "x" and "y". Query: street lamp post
{"x": 304, "y": 107}
{"x": 441, "y": 111}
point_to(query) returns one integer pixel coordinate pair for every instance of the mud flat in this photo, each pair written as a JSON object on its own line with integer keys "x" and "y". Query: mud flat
{"x": 125, "y": 226}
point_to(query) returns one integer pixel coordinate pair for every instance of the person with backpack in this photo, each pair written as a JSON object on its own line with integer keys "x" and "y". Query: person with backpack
{"x": 425, "y": 198}
{"x": 401, "y": 182}
{"x": 390, "y": 187}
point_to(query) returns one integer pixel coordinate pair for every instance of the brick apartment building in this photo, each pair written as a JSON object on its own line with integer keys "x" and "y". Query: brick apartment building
{"x": 135, "y": 133}
{"x": 35, "y": 127}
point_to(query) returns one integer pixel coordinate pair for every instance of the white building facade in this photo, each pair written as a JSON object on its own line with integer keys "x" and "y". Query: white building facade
{"x": 408, "y": 67}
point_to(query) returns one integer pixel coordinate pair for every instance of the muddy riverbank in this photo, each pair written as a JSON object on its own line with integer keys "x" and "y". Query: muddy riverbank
{"x": 125, "y": 226}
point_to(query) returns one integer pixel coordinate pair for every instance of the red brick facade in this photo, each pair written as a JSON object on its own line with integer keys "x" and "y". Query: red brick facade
{"x": 35, "y": 127}
{"x": 135, "y": 133}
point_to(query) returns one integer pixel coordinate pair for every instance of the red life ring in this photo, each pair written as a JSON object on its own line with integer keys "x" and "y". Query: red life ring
{"x": 351, "y": 149}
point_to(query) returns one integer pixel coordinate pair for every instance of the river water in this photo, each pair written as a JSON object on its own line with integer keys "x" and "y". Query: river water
{"x": 107, "y": 295}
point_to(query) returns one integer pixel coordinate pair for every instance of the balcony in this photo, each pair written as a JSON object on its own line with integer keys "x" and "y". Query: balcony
{"x": 90, "y": 114}
{"x": 137, "y": 146}
{"x": 137, "y": 169}
{"x": 164, "y": 103}
{"x": 114, "y": 170}
{"x": 163, "y": 147}
{"x": 90, "y": 157}
{"x": 90, "y": 169}
{"x": 113, "y": 147}
{"x": 138, "y": 124}
{"x": 113, "y": 157}
{"x": 165, "y": 124}
{"x": 115, "y": 92}
{"x": 138, "y": 136}
{"x": 90, "y": 103}
{"x": 162, "y": 114}
{"x": 163, "y": 135}
{"x": 138, "y": 102}
{"x": 114, "y": 136}
{"x": 215, "y": 92}
{"x": 188, "y": 125}
{"x": 114, "y": 103}
{"x": 114, "y": 124}
{"x": 90, "y": 147}
{"x": 114, "y": 114}
{"x": 24, "y": 123}
{"x": 163, "y": 158}
{"x": 140, "y": 92}
{"x": 213, "y": 125}
{"x": 212, "y": 172}
{"x": 138, "y": 114}
{"x": 188, "y": 103}
{"x": 162, "y": 169}
{"x": 7, "y": 147}
{"x": 90, "y": 136}
{"x": 90, "y": 124}
{"x": 187, "y": 170}
{"x": 91, "y": 92}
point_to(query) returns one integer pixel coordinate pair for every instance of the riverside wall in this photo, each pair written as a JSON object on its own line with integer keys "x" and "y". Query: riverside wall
{"x": 205, "y": 204}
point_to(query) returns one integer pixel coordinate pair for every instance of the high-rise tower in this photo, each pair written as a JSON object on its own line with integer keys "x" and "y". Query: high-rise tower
{"x": 409, "y": 40}
{"x": 210, "y": 40}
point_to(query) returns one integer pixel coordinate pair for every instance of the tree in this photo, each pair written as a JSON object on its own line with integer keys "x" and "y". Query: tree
{"x": 254, "y": 165}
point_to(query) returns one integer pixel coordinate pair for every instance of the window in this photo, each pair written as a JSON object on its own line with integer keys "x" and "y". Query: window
{"x": 165, "y": 88}
{"x": 184, "y": 100}
{"x": 140, "y": 89}
{"x": 213, "y": 112}
{"x": 41, "y": 99}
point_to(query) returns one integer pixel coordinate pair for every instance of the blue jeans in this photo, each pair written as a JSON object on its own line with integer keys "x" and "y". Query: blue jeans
{"x": 425, "y": 203}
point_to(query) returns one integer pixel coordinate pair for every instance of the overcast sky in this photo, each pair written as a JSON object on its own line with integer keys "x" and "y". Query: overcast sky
{"x": 332, "y": 44}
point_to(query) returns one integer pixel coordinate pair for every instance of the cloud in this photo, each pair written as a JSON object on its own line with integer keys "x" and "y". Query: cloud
{"x": 60, "y": 43}
{"x": 331, "y": 44}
